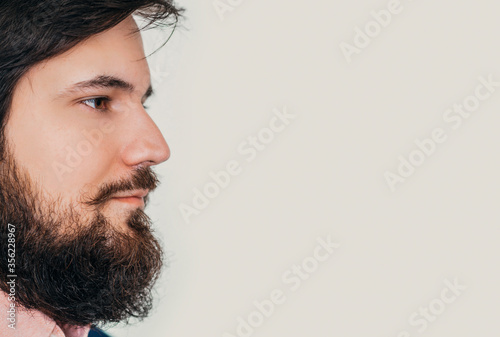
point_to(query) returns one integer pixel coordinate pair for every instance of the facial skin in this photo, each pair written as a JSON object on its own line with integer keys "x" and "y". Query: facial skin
{"x": 47, "y": 123}
{"x": 84, "y": 253}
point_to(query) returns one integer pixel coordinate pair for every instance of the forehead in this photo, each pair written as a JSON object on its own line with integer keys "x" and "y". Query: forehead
{"x": 117, "y": 52}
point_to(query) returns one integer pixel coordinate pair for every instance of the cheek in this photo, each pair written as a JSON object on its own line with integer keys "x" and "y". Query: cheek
{"x": 64, "y": 158}
{"x": 85, "y": 157}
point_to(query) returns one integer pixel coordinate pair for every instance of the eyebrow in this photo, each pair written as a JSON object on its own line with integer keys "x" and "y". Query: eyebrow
{"x": 103, "y": 82}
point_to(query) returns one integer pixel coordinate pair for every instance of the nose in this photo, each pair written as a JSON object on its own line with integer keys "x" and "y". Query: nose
{"x": 145, "y": 144}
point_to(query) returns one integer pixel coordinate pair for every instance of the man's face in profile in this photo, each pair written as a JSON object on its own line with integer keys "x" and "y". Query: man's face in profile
{"x": 75, "y": 177}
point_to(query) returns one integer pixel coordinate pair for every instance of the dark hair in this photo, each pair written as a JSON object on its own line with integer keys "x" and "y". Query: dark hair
{"x": 32, "y": 31}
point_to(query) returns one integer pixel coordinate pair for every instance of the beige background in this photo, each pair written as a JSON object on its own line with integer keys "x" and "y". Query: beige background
{"x": 218, "y": 82}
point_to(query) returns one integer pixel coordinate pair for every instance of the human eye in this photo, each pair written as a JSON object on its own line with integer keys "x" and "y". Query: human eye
{"x": 97, "y": 103}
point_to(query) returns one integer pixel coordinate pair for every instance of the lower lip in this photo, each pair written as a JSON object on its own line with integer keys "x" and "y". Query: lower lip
{"x": 135, "y": 201}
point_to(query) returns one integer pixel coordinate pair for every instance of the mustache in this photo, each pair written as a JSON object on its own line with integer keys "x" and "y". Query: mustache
{"x": 142, "y": 178}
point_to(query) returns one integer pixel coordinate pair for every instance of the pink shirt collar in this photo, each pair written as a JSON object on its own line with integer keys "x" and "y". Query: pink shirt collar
{"x": 33, "y": 323}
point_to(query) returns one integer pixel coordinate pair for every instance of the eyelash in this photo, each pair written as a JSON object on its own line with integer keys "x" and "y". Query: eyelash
{"x": 106, "y": 100}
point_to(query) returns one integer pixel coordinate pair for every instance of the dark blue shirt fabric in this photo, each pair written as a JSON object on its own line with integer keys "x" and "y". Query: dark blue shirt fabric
{"x": 96, "y": 332}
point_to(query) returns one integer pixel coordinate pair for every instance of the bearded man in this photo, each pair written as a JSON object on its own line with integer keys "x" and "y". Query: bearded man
{"x": 77, "y": 149}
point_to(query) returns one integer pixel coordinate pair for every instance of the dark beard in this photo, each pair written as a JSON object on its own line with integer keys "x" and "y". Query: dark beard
{"x": 77, "y": 272}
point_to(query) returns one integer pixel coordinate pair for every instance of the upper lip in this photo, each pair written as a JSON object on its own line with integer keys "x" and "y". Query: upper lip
{"x": 134, "y": 193}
